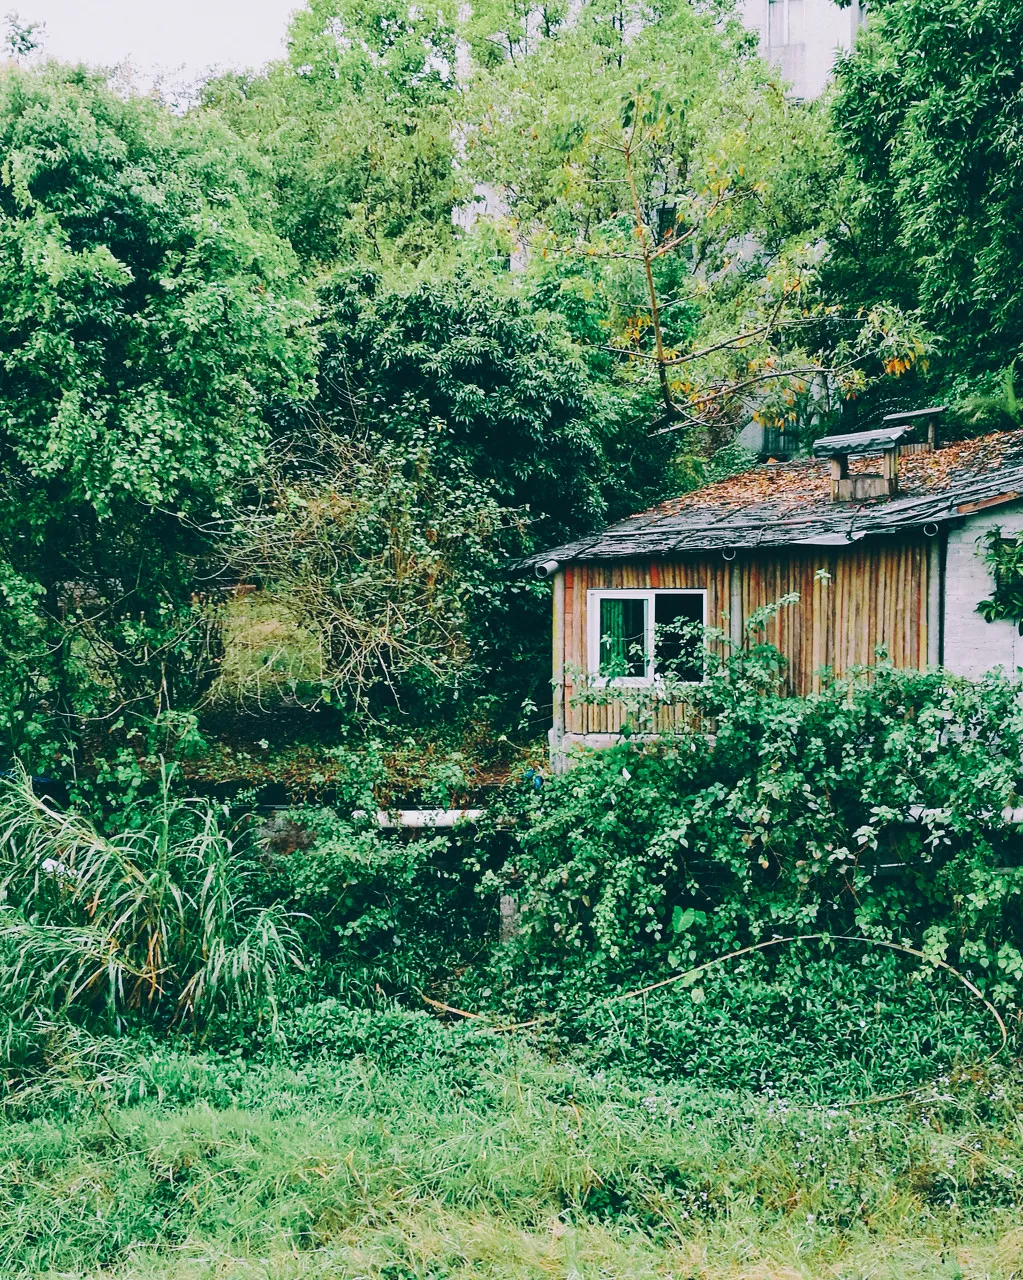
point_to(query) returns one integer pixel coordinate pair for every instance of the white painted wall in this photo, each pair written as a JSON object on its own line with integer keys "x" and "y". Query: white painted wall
{"x": 973, "y": 646}
{"x": 801, "y": 37}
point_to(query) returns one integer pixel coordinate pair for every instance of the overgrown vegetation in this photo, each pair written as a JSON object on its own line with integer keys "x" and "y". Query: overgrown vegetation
{"x": 279, "y": 318}
{"x": 287, "y": 319}
{"x": 866, "y": 821}
{"x": 387, "y": 1145}
{"x": 790, "y": 815}
{"x": 293, "y": 380}
{"x": 160, "y": 924}
{"x": 1004, "y": 555}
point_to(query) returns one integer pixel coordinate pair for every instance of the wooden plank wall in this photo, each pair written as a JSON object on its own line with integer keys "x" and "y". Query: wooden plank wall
{"x": 876, "y": 596}
{"x": 711, "y": 573}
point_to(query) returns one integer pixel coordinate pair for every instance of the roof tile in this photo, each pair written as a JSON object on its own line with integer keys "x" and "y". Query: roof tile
{"x": 806, "y": 482}
{"x": 790, "y": 503}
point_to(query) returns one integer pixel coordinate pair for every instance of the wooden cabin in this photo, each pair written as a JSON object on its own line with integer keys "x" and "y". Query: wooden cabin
{"x": 897, "y": 526}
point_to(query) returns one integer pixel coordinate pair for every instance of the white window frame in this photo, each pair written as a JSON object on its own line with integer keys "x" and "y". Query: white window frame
{"x": 649, "y": 594}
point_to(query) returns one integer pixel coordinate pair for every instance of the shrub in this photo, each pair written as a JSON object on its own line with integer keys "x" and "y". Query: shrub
{"x": 381, "y": 911}
{"x": 392, "y": 1038}
{"x": 871, "y": 808}
{"x": 828, "y": 1023}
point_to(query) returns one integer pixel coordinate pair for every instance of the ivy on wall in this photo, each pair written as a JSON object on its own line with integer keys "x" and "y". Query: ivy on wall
{"x": 1004, "y": 556}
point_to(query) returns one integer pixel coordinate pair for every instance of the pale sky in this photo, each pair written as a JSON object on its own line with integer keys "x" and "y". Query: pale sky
{"x": 161, "y": 34}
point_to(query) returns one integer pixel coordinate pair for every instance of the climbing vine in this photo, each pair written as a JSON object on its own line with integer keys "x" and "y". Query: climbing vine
{"x": 1004, "y": 556}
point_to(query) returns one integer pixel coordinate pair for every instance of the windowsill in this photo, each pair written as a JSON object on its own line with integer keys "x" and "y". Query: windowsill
{"x": 635, "y": 682}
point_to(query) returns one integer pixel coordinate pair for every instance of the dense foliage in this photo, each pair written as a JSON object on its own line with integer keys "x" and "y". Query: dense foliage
{"x": 1004, "y": 556}
{"x": 493, "y": 259}
{"x": 150, "y": 320}
{"x": 356, "y": 127}
{"x": 528, "y": 271}
{"x": 871, "y": 811}
{"x": 292, "y": 381}
{"x": 488, "y": 382}
{"x": 369, "y": 558}
{"x": 495, "y": 403}
{"x": 160, "y": 923}
{"x": 928, "y": 115}
{"x": 636, "y": 148}
{"x": 872, "y": 808}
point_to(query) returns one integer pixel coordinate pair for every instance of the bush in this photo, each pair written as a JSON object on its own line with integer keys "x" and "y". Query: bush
{"x": 873, "y": 808}
{"x": 829, "y": 1024}
{"x": 865, "y": 817}
{"x": 381, "y": 912}
{"x": 390, "y": 1037}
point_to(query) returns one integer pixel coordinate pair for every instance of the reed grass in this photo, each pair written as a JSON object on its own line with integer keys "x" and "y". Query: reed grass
{"x": 158, "y": 919}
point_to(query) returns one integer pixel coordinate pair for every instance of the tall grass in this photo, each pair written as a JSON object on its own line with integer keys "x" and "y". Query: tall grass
{"x": 438, "y": 1156}
{"x": 157, "y": 920}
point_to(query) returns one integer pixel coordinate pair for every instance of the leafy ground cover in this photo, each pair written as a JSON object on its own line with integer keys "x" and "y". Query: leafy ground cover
{"x": 426, "y": 1152}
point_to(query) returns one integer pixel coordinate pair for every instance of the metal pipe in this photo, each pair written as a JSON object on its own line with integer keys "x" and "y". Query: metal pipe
{"x": 547, "y": 569}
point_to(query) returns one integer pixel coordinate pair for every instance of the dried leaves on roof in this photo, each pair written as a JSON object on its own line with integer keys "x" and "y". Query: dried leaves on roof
{"x": 790, "y": 502}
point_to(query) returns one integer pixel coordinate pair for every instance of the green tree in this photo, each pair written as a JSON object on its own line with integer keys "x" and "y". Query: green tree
{"x": 463, "y": 370}
{"x": 649, "y": 158}
{"x": 928, "y": 117}
{"x": 23, "y": 38}
{"x": 357, "y": 125}
{"x": 492, "y": 381}
{"x": 150, "y": 322}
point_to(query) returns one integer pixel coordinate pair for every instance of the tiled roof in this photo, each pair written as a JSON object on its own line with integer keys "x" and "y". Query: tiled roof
{"x": 790, "y": 502}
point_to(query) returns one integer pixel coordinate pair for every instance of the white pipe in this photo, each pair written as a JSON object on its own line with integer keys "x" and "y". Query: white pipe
{"x": 422, "y": 819}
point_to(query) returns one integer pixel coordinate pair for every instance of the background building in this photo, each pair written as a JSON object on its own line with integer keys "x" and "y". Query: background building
{"x": 802, "y": 37}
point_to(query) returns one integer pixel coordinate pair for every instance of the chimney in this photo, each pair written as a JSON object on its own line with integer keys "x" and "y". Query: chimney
{"x": 883, "y": 441}
{"x": 924, "y": 418}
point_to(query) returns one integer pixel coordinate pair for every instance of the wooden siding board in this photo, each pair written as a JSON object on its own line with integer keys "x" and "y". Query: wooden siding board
{"x": 877, "y": 595}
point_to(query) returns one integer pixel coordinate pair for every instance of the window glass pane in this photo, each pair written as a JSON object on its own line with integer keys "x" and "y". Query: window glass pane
{"x": 622, "y": 637}
{"x": 678, "y": 623}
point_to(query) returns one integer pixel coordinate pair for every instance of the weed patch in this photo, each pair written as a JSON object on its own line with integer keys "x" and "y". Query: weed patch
{"x": 482, "y": 1158}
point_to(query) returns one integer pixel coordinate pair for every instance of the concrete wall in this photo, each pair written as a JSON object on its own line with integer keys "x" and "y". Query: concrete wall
{"x": 801, "y": 37}
{"x": 973, "y": 646}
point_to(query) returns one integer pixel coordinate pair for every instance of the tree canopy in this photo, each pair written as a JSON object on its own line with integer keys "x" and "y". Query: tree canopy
{"x": 358, "y": 129}
{"x": 151, "y": 320}
{"x": 649, "y": 158}
{"x": 357, "y": 332}
{"x": 928, "y": 115}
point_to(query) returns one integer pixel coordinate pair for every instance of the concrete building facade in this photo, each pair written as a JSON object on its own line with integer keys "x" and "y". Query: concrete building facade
{"x": 802, "y": 37}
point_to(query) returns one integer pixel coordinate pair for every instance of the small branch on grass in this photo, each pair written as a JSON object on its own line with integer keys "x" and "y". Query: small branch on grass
{"x": 480, "y": 1017}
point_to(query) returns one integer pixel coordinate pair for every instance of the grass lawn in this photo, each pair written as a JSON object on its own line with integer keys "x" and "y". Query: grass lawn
{"x": 488, "y": 1160}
